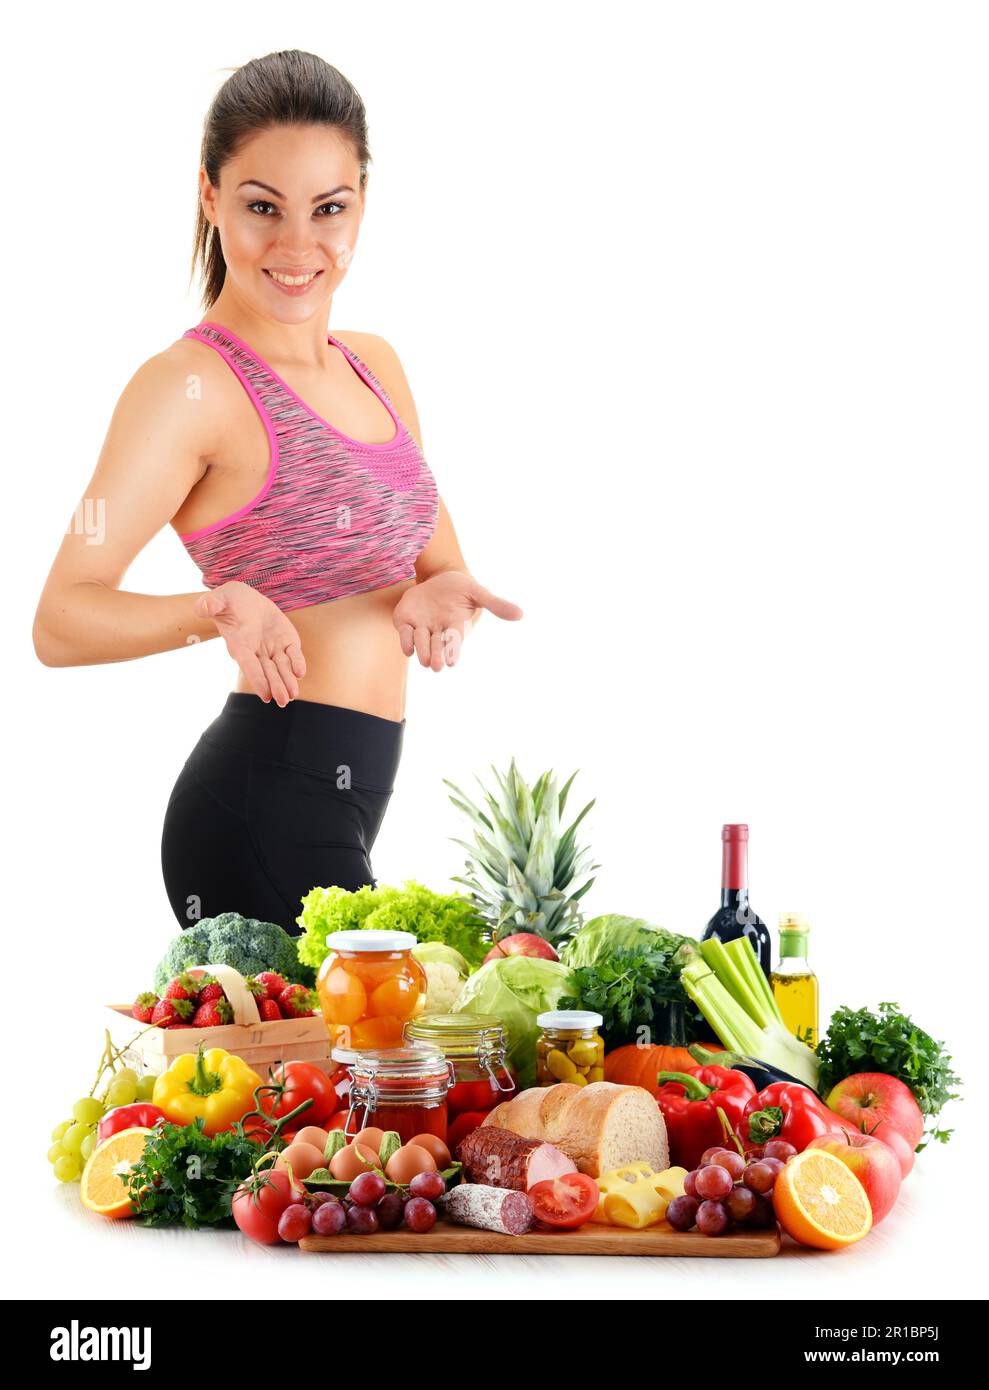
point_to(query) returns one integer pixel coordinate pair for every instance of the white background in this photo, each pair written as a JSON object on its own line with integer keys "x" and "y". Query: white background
{"x": 694, "y": 311}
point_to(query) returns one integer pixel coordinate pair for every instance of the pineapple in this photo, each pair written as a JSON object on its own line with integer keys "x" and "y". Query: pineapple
{"x": 521, "y": 867}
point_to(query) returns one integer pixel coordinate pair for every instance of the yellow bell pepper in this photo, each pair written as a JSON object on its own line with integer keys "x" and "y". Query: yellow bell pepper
{"x": 636, "y": 1195}
{"x": 215, "y": 1086}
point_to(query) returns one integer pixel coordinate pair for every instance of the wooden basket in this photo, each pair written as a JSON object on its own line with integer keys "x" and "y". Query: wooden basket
{"x": 261, "y": 1045}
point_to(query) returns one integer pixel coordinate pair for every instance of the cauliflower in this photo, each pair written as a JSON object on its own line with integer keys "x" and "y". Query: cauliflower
{"x": 445, "y": 984}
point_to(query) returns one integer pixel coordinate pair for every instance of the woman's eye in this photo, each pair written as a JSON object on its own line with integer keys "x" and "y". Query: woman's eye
{"x": 260, "y": 203}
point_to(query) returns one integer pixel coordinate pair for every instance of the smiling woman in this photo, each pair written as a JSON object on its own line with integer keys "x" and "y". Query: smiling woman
{"x": 289, "y": 462}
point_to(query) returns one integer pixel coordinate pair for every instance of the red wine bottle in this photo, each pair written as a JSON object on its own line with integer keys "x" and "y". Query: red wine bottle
{"x": 735, "y": 917}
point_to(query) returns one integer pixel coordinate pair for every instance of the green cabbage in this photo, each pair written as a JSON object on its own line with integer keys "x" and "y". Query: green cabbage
{"x": 516, "y": 989}
{"x": 600, "y": 938}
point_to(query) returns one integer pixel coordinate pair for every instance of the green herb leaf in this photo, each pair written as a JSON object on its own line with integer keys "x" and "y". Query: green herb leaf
{"x": 185, "y": 1176}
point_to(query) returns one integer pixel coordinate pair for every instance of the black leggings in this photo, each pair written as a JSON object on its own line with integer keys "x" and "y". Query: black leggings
{"x": 273, "y": 802}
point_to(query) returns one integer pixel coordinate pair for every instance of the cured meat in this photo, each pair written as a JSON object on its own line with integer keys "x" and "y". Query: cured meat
{"x": 500, "y": 1158}
{"x": 489, "y": 1208}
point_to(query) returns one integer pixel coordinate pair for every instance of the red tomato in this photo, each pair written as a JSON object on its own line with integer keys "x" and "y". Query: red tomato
{"x": 257, "y": 1213}
{"x": 568, "y": 1201}
{"x": 255, "y": 1129}
{"x": 462, "y": 1126}
{"x": 302, "y": 1081}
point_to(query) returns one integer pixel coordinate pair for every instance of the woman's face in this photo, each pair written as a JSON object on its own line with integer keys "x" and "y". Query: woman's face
{"x": 288, "y": 205}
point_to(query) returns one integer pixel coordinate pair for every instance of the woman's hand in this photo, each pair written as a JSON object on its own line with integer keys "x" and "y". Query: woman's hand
{"x": 432, "y": 617}
{"x": 260, "y": 639}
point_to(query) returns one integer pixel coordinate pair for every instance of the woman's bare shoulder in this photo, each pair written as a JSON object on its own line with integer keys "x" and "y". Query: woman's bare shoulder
{"x": 185, "y": 387}
{"x": 378, "y": 354}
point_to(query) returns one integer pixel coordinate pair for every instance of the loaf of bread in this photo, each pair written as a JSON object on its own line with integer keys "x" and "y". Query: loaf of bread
{"x": 601, "y": 1126}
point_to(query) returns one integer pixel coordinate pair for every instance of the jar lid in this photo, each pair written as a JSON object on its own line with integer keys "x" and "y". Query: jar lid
{"x": 398, "y": 1063}
{"x": 452, "y": 1031}
{"x": 569, "y": 1019}
{"x": 371, "y": 941}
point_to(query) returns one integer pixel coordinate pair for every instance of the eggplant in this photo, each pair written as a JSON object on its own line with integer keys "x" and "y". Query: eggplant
{"x": 761, "y": 1074}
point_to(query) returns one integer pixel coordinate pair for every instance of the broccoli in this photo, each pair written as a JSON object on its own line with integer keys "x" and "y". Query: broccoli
{"x": 245, "y": 943}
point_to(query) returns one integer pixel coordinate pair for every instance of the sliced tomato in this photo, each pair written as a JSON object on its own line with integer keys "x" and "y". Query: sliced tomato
{"x": 568, "y": 1201}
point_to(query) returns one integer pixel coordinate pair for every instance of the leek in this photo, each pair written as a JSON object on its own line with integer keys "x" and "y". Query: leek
{"x": 735, "y": 1006}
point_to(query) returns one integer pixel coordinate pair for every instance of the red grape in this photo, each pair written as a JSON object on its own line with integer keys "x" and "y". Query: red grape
{"x": 681, "y": 1213}
{"x": 713, "y": 1155}
{"x": 754, "y": 1154}
{"x": 714, "y": 1182}
{"x": 712, "y": 1218}
{"x": 759, "y": 1176}
{"x": 775, "y": 1166}
{"x": 389, "y": 1211}
{"x": 429, "y": 1185}
{"x": 362, "y": 1220}
{"x": 295, "y": 1222}
{"x": 319, "y": 1199}
{"x": 764, "y": 1215}
{"x": 733, "y": 1161}
{"x": 329, "y": 1219}
{"x": 741, "y": 1203}
{"x": 779, "y": 1148}
{"x": 420, "y": 1215}
{"x": 367, "y": 1188}
{"x": 690, "y": 1183}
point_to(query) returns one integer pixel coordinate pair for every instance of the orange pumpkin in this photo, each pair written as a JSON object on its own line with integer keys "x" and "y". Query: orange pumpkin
{"x": 639, "y": 1066}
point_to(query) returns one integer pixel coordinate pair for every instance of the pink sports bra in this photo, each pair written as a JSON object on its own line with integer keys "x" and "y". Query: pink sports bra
{"x": 335, "y": 516}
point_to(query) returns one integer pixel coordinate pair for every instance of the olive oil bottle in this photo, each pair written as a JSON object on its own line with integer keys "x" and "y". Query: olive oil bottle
{"x": 793, "y": 982}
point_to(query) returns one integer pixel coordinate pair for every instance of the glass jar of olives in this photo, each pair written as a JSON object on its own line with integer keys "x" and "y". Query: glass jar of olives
{"x": 569, "y": 1048}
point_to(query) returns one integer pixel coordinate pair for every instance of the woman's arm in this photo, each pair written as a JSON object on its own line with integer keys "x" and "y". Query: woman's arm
{"x": 151, "y": 459}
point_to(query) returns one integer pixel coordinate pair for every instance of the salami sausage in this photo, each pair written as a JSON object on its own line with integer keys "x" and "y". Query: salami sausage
{"x": 500, "y": 1158}
{"x": 489, "y": 1208}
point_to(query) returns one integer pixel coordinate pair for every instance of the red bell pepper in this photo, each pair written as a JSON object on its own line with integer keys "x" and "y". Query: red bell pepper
{"x": 787, "y": 1110}
{"x": 690, "y": 1102}
{"x": 141, "y": 1115}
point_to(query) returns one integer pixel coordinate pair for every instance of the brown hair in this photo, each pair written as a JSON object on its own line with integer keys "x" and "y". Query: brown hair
{"x": 285, "y": 88}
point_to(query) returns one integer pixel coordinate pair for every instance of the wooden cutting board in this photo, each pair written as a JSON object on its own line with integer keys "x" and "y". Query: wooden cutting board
{"x": 593, "y": 1239}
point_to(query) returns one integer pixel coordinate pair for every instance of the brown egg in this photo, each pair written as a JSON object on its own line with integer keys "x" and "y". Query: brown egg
{"x": 347, "y": 1164}
{"x": 304, "y": 1158}
{"x": 407, "y": 1161}
{"x": 435, "y": 1146}
{"x": 371, "y": 1138}
{"x": 312, "y": 1134}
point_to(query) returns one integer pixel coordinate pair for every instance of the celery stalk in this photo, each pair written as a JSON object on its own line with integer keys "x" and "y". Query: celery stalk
{"x": 771, "y": 1042}
{"x": 734, "y": 981}
{"x": 742, "y": 953}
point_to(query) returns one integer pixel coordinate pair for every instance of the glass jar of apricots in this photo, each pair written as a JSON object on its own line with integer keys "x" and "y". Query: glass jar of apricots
{"x": 369, "y": 986}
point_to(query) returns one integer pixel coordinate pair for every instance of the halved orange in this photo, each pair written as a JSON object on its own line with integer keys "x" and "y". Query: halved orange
{"x": 103, "y": 1188}
{"x": 820, "y": 1202}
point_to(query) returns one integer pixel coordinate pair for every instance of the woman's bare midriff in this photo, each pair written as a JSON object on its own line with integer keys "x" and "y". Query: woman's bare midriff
{"x": 352, "y": 651}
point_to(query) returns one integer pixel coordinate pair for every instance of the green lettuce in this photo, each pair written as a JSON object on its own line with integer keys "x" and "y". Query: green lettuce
{"x": 515, "y": 990}
{"x": 444, "y": 917}
{"x": 600, "y": 938}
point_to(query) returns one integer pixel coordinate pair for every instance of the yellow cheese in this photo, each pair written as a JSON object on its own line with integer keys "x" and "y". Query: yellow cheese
{"x": 636, "y": 1195}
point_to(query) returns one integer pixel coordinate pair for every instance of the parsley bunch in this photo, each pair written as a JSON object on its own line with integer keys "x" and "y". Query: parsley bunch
{"x": 634, "y": 987}
{"x": 184, "y": 1175}
{"x": 889, "y": 1042}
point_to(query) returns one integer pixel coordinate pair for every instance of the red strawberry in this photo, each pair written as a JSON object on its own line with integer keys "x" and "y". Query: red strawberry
{"x": 297, "y": 1002}
{"x": 212, "y": 1014}
{"x": 144, "y": 1006}
{"x": 210, "y": 991}
{"x": 169, "y": 1011}
{"x": 273, "y": 984}
{"x": 182, "y": 987}
{"x": 180, "y": 1025}
{"x": 269, "y": 1010}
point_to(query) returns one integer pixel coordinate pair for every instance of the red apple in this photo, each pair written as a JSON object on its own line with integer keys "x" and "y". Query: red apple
{"x": 522, "y": 943}
{"x": 900, "y": 1145}
{"x": 874, "y": 1164}
{"x": 871, "y": 1098}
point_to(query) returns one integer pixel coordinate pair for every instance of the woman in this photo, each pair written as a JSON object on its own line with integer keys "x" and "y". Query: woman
{"x": 327, "y": 554}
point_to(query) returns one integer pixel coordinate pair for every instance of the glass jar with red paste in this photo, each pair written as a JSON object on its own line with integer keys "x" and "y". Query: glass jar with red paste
{"x": 475, "y": 1046}
{"x": 399, "y": 1088}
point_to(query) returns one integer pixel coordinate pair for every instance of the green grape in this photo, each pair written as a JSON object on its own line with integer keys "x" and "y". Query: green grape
{"x": 87, "y": 1146}
{"x": 60, "y": 1130}
{"x": 146, "y": 1087}
{"x": 122, "y": 1090}
{"x": 72, "y": 1139}
{"x": 67, "y": 1168}
{"x": 88, "y": 1110}
{"x": 55, "y": 1153}
{"x": 125, "y": 1074}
